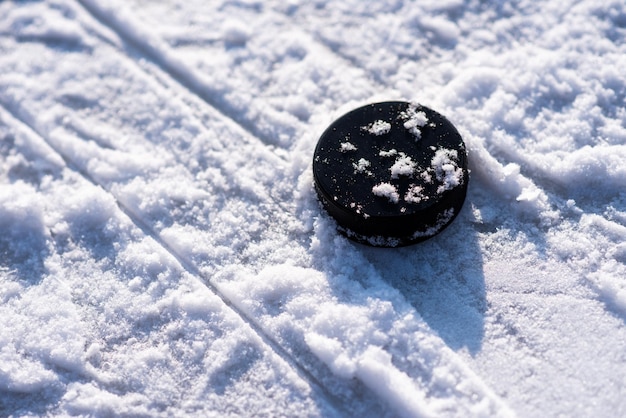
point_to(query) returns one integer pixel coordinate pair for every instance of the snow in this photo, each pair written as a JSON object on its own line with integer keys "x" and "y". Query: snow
{"x": 162, "y": 252}
{"x": 414, "y": 120}
{"x": 347, "y": 147}
{"x": 378, "y": 128}
{"x": 389, "y": 153}
{"x": 442, "y": 220}
{"x": 387, "y": 190}
{"x": 403, "y": 166}
{"x": 361, "y": 166}
{"x": 414, "y": 194}
{"x": 444, "y": 164}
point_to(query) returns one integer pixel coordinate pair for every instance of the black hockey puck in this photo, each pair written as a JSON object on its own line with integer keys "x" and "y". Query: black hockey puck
{"x": 391, "y": 173}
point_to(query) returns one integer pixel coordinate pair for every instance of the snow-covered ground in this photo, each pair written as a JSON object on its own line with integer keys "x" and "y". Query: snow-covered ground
{"x": 162, "y": 252}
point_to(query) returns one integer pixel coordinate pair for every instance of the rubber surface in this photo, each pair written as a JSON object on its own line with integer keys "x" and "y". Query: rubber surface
{"x": 391, "y": 173}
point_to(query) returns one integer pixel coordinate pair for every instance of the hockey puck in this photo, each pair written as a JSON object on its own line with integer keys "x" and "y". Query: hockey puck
{"x": 391, "y": 173}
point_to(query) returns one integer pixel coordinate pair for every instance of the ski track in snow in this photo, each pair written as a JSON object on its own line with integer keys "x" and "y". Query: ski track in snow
{"x": 153, "y": 297}
{"x": 199, "y": 121}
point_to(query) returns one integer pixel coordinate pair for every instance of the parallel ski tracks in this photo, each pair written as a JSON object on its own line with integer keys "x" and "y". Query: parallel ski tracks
{"x": 180, "y": 73}
{"x": 178, "y": 78}
{"x": 186, "y": 77}
{"x": 186, "y": 264}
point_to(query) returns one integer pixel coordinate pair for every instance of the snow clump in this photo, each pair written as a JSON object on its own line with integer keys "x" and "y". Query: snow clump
{"x": 404, "y": 166}
{"x": 380, "y": 127}
{"x": 235, "y": 33}
{"x": 347, "y": 146}
{"x": 361, "y": 166}
{"x": 446, "y": 169}
{"x": 414, "y": 120}
{"x": 387, "y": 190}
{"x": 414, "y": 194}
{"x": 389, "y": 153}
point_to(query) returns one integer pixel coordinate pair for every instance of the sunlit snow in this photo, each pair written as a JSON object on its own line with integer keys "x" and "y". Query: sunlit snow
{"x": 162, "y": 251}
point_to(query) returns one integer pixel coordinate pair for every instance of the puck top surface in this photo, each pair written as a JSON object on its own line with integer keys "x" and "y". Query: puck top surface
{"x": 391, "y": 173}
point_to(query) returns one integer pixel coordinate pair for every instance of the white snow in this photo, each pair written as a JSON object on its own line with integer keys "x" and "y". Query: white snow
{"x": 450, "y": 175}
{"x": 414, "y": 120}
{"x": 361, "y": 166}
{"x": 162, "y": 252}
{"x": 392, "y": 152}
{"x": 387, "y": 190}
{"x": 403, "y": 166}
{"x": 378, "y": 127}
{"x": 235, "y": 32}
{"x": 415, "y": 195}
{"x": 347, "y": 147}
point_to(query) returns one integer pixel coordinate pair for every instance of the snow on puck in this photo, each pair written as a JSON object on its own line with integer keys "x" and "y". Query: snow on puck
{"x": 391, "y": 173}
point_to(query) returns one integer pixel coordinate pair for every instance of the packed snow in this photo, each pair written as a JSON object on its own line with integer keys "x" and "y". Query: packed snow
{"x": 162, "y": 251}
